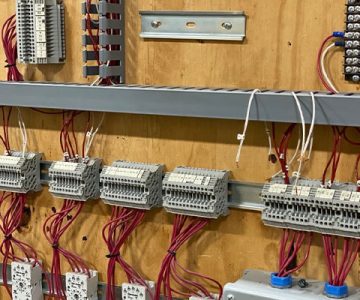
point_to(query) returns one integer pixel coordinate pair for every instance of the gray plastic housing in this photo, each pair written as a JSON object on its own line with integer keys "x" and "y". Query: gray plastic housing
{"x": 20, "y": 174}
{"x": 75, "y": 180}
{"x": 310, "y": 207}
{"x": 132, "y": 184}
{"x": 196, "y": 192}
{"x": 40, "y": 31}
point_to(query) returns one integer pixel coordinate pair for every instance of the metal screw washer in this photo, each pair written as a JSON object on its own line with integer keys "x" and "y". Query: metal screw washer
{"x": 155, "y": 24}
{"x": 230, "y": 297}
{"x": 227, "y": 25}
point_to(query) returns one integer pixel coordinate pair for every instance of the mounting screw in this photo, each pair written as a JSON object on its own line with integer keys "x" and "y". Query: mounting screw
{"x": 226, "y": 25}
{"x": 230, "y": 297}
{"x": 155, "y": 24}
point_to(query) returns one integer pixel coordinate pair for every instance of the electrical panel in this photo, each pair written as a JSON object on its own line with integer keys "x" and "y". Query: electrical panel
{"x": 108, "y": 18}
{"x": 130, "y": 184}
{"x": 75, "y": 180}
{"x": 137, "y": 292}
{"x": 79, "y": 286}
{"x": 352, "y": 41}
{"x": 311, "y": 207}
{"x": 40, "y": 31}
{"x": 20, "y": 172}
{"x": 26, "y": 281}
{"x": 196, "y": 192}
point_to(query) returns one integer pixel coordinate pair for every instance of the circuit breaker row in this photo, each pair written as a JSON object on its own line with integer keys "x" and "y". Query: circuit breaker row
{"x": 310, "y": 207}
{"x": 105, "y": 49}
{"x": 352, "y": 41}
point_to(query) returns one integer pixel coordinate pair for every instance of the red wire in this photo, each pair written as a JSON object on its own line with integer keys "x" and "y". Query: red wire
{"x": 321, "y": 75}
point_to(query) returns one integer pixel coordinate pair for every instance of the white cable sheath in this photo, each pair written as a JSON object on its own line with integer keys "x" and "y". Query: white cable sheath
{"x": 23, "y": 132}
{"x": 241, "y": 137}
{"x": 90, "y": 135}
{"x": 322, "y": 64}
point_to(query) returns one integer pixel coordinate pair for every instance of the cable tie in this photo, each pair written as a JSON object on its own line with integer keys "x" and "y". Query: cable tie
{"x": 55, "y": 246}
{"x": 172, "y": 253}
{"x": 9, "y": 65}
{"x": 241, "y": 137}
{"x": 112, "y": 255}
{"x": 8, "y": 237}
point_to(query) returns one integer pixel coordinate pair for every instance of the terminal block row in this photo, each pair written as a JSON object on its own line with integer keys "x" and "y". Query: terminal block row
{"x": 75, "y": 180}
{"x": 26, "y": 281}
{"x": 40, "y": 31}
{"x": 196, "y": 192}
{"x": 352, "y": 41}
{"x": 130, "y": 184}
{"x": 79, "y": 286}
{"x": 132, "y": 291}
{"x": 105, "y": 50}
{"x": 20, "y": 172}
{"x": 310, "y": 207}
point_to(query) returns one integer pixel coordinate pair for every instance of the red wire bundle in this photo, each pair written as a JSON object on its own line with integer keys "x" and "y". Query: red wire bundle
{"x": 54, "y": 228}
{"x": 170, "y": 267}
{"x": 337, "y": 273}
{"x": 115, "y": 233}
{"x": 290, "y": 246}
{"x": 8, "y": 35}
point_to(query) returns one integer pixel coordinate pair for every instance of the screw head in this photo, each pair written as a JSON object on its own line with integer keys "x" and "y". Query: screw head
{"x": 230, "y": 297}
{"x": 155, "y": 24}
{"x": 226, "y": 25}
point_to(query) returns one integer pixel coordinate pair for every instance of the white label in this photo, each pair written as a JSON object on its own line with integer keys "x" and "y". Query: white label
{"x": 9, "y": 160}
{"x": 303, "y": 191}
{"x": 325, "y": 193}
{"x": 192, "y": 179}
{"x": 345, "y": 195}
{"x": 66, "y": 166}
{"x": 39, "y": 9}
{"x": 278, "y": 188}
{"x": 41, "y": 37}
{"x": 131, "y": 173}
{"x": 355, "y": 197}
{"x": 40, "y": 23}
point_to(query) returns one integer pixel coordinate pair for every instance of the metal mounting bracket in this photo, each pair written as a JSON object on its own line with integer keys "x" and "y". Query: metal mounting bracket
{"x": 226, "y": 26}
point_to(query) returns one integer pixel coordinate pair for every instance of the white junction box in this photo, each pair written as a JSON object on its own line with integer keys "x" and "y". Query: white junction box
{"x": 26, "y": 281}
{"x": 79, "y": 286}
{"x": 138, "y": 292}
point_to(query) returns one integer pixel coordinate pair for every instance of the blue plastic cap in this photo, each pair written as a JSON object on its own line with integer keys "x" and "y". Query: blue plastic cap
{"x": 340, "y": 44}
{"x": 340, "y": 34}
{"x": 280, "y": 282}
{"x": 336, "y": 292}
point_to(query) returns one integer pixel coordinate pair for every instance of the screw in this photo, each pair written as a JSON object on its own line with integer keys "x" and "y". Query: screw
{"x": 226, "y": 25}
{"x": 155, "y": 24}
{"x": 230, "y": 297}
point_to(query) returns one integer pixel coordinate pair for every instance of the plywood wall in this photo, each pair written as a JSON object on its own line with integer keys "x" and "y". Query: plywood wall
{"x": 279, "y": 53}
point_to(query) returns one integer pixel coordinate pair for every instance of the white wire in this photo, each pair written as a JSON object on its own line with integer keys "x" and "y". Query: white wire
{"x": 90, "y": 135}
{"x": 23, "y": 132}
{"x": 268, "y": 134}
{"x": 241, "y": 137}
{"x": 322, "y": 64}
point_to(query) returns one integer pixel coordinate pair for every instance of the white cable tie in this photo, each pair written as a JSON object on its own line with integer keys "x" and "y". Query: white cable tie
{"x": 241, "y": 137}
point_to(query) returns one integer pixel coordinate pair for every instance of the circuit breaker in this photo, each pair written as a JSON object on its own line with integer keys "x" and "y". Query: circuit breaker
{"x": 40, "y": 31}
{"x": 80, "y": 286}
{"x": 137, "y": 292}
{"x": 26, "y": 281}
{"x": 75, "y": 180}
{"x": 352, "y": 41}
{"x": 196, "y": 192}
{"x": 310, "y": 207}
{"x": 131, "y": 184}
{"x": 20, "y": 172}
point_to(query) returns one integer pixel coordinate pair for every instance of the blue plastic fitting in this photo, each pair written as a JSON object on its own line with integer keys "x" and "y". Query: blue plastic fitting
{"x": 336, "y": 292}
{"x": 340, "y": 43}
{"x": 280, "y": 282}
{"x": 339, "y": 34}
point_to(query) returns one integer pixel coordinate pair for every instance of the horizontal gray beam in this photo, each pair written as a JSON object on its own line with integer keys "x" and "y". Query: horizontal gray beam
{"x": 272, "y": 106}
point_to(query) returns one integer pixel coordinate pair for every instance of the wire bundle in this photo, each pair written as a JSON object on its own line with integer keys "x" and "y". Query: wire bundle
{"x": 115, "y": 233}
{"x": 8, "y": 36}
{"x": 54, "y": 228}
{"x": 337, "y": 273}
{"x": 171, "y": 270}
{"x": 290, "y": 246}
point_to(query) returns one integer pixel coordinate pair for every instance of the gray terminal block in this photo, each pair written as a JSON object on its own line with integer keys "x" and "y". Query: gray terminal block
{"x": 132, "y": 184}
{"x": 40, "y": 31}
{"x": 310, "y": 207}
{"x": 20, "y": 173}
{"x": 196, "y": 192}
{"x": 75, "y": 180}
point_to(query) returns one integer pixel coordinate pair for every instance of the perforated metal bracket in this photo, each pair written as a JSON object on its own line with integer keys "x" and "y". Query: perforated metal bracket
{"x": 226, "y": 26}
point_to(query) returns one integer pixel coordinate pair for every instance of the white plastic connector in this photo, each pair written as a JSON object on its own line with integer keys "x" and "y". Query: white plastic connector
{"x": 26, "y": 281}
{"x": 213, "y": 297}
{"x": 137, "y": 292}
{"x": 80, "y": 287}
